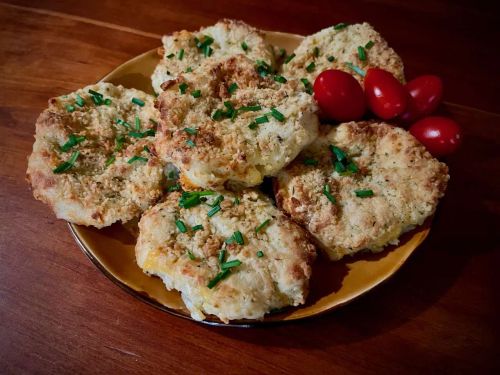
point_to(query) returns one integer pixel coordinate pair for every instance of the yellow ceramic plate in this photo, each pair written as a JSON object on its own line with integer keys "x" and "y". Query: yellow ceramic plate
{"x": 333, "y": 283}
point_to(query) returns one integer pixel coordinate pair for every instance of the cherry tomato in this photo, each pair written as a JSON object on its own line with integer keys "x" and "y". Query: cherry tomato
{"x": 386, "y": 96}
{"x": 440, "y": 135}
{"x": 425, "y": 95}
{"x": 339, "y": 96}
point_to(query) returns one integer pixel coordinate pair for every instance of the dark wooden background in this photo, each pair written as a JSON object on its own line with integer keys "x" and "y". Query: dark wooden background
{"x": 440, "y": 313}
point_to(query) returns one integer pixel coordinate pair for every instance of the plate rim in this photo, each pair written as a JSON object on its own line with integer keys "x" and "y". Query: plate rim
{"x": 241, "y": 323}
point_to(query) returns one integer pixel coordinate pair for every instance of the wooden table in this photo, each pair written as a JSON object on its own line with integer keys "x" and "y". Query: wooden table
{"x": 59, "y": 314}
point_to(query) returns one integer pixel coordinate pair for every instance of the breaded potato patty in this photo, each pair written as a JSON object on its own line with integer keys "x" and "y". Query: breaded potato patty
{"x": 92, "y": 160}
{"x": 360, "y": 185}
{"x": 345, "y": 48}
{"x": 228, "y": 123}
{"x": 184, "y": 51}
{"x": 239, "y": 259}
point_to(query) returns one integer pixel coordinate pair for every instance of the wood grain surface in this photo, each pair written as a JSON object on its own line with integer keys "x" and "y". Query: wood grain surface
{"x": 439, "y": 314}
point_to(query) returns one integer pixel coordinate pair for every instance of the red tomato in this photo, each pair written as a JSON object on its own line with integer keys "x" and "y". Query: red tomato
{"x": 425, "y": 95}
{"x": 339, "y": 96}
{"x": 440, "y": 135}
{"x": 386, "y": 96}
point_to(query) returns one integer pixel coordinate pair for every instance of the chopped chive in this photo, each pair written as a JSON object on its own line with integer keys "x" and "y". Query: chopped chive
{"x": 339, "y": 154}
{"x": 222, "y": 256}
{"x": 280, "y": 79}
{"x": 260, "y": 254}
{"x": 147, "y": 133}
{"x": 282, "y": 53}
{"x": 369, "y": 45}
{"x": 119, "y": 142}
{"x": 213, "y": 211}
{"x": 70, "y": 108}
{"x": 361, "y": 53}
{"x": 328, "y": 194}
{"x": 137, "y": 123}
{"x": 262, "y": 225}
{"x": 138, "y": 101}
{"x": 180, "y": 56}
{"x": 289, "y": 58}
{"x": 356, "y": 69}
{"x": 190, "y": 199}
{"x": 307, "y": 85}
{"x": 79, "y": 101}
{"x": 189, "y": 69}
{"x": 310, "y": 67}
{"x": 339, "y": 167}
{"x": 340, "y": 26}
{"x": 351, "y": 167}
{"x": 310, "y": 161}
{"x": 175, "y": 187}
{"x": 238, "y": 237}
{"x": 207, "y": 51}
{"x": 191, "y": 131}
{"x": 197, "y": 227}
{"x": 136, "y": 158}
{"x": 110, "y": 160}
{"x": 191, "y": 255}
{"x": 250, "y": 108}
{"x": 244, "y": 46}
{"x": 107, "y": 101}
{"x": 277, "y": 115}
{"x": 217, "y": 201}
{"x": 331, "y": 58}
{"x": 190, "y": 143}
{"x": 236, "y": 201}
{"x": 230, "y": 264}
{"x": 182, "y": 87}
{"x": 170, "y": 56}
{"x": 153, "y": 122}
{"x": 316, "y": 52}
{"x": 363, "y": 193}
{"x": 261, "y": 120}
{"x": 123, "y": 123}
{"x": 72, "y": 141}
{"x": 232, "y": 88}
{"x": 263, "y": 68}
{"x": 95, "y": 93}
{"x": 97, "y": 100}
{"x": 181, "y": 226}
{"x": 196, "y": 93}
{"x": 66, "y": 165}
{"x": 146, "y": 148}
{"x": 219, "y": 277}
{"x": 217, "y": 115}
{"x": 253, "y": 125}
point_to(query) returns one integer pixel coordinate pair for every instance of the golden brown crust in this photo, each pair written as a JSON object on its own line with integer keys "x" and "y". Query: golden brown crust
{"x": 278, "y": 278}
{"x": 406, "y": 180}
{"x": 227, "y": 150}
{"x": 92, "y": 193}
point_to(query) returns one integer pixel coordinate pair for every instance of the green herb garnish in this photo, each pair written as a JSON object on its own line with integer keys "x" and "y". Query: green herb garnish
{"x": 170, "y": 56}
{"x": 220, "y": 276}
{"x": 280, "y": 79}
{"x": 72, "y": 141}
{"x": 123, "y": 123}
{"x": 310, "y": 67}
{"x": 262, "y": 225}
{"x": 361, "y": 53}
{"x": 260, "y": 254}
{"x": 189, "y": 69}
{"x": 182, "y": 87}
{"x": 138, "y": 101}
{"x": 181, "y": 226}
{"x": 277, "y": 115}
{"x": 307, "y": 85}
{"x": 289, "y": 58}
{"x": 230, "y": 264}
{"x": 190, "y": 143}
{"x": 316, "y": 52}
{"x": 136, "y": 158}
{"x": 356, "y": 69}
{"x": 340, "y": 26}
{"x": 191, "y": 131}
{"x": 137, "y": 123}
{"x": 250, "y": 108}
{"x": 191, "y": 255}
{"x": 328, "y": 194}
{"x": 244, "y": 46}
{"x": 369, "y": 45}
{"x": 110, "y": 160}
{"x": 213, "y": 211}
{"x": 197, "y": 227}
{"x": 70, "y": 108}
{"x": 66, "y": 165}
{"x": 363, "y": 193}
{"x": 263, "y": 68}
{"x": 175, "y": 187}
{"x": 79, "y": 101}
{"x": 222, "y": 256}
{"x": 196, "y": 93}
{"x": 331, "y": 58}
{"x": 119, "y": 142}
{"x": 190, "y": 199}
{"x": 180, "y": 56}
{"x": 232, "y": 88}
{"x": 339, "y": 154}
